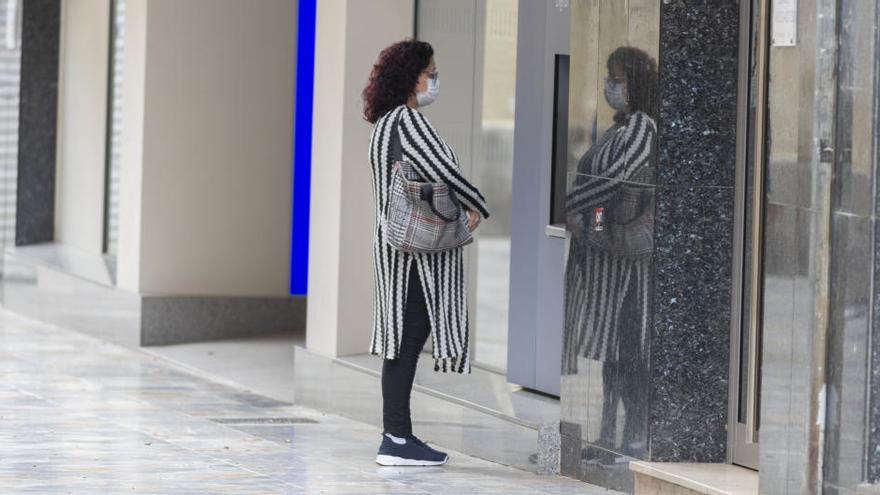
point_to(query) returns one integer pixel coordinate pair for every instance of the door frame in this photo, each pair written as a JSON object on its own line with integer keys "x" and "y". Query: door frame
{"x": 537, "y": 255}
{"x": 743, "y": 438}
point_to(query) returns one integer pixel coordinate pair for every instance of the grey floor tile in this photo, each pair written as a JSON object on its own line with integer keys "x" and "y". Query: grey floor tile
{"x": 78, "y": 415}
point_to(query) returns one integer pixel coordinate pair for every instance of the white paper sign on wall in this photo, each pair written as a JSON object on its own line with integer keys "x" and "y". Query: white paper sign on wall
{"x": 784, "y": 17}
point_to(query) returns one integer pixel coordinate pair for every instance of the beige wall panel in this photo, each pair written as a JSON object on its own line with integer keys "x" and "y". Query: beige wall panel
{"x": 82, "y": 121}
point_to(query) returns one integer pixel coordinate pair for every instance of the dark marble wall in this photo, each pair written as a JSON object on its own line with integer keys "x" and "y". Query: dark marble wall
{"x": 694, "y": 231}
{"x": 35, "y": 216}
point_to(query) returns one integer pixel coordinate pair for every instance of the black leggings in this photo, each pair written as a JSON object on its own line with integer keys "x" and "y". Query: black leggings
{"x": 398, "y": 374}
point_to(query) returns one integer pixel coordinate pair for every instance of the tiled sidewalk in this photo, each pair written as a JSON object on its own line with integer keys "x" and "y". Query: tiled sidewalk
{"x": 81, "y": 416}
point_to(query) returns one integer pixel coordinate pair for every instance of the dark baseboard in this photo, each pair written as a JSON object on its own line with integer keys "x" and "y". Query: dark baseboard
{"x": 57, "y": 285}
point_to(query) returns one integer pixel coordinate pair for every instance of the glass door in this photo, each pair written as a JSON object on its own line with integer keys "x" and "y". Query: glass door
{"x": 748, "y": 260}
{"x": 114, "y": 126}
{"x": 474, "y": 45}
{"x": 494, "y": 92}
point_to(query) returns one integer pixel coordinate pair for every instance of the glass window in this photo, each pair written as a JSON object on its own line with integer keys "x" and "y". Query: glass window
{"x": 115, "y": 126}
{"x": 10, "y": 72}
{"x": 493, "y": 171}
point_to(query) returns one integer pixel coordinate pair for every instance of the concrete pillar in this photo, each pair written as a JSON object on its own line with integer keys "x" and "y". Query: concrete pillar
{"x": 205, "y": 181}
{"x": 349, "y": 36}
{"x": 205, "y": 176}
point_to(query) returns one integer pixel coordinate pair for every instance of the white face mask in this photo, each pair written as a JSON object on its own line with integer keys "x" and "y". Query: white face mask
{"x": 615, "y": 96}
{"x": 430, "y": 95}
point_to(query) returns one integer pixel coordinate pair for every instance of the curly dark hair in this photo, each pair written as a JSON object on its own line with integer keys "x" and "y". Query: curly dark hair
{"x": 394, "y": 77}
{"x": 642, "y": 80}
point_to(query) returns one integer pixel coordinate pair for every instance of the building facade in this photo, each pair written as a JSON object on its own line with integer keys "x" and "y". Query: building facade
{"x": 685, "y": 279}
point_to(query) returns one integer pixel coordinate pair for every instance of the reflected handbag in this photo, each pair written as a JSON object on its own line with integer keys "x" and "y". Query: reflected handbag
{"x": 624, "y": 227}
{"x": 421, "y": 216}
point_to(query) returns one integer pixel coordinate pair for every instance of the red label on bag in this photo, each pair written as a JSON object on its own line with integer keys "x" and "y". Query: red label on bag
{"x": 598, "y": 219}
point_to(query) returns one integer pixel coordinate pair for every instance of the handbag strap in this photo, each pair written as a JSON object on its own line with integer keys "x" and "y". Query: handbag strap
{"x": 396, "y": 147}
{"x": 427, "y": 195}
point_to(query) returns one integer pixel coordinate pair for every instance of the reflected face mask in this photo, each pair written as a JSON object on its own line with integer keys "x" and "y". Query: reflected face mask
{"x": 614, "y": 95}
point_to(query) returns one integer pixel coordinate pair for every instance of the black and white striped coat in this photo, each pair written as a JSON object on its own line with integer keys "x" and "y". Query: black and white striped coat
{"x": 441, "y": 274}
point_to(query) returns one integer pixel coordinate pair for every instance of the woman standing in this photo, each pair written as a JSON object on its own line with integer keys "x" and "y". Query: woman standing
{"x": 416, "y": 294}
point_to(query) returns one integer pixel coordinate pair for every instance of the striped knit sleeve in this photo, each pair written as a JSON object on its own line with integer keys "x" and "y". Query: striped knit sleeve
{"x": 435, "y": 161}
{"x": 619, "y": 159}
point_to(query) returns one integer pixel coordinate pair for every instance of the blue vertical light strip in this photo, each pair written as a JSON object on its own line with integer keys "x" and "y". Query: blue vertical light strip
{"x": 302, "y": 157}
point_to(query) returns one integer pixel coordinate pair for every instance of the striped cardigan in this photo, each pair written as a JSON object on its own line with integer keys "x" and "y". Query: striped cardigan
{"x": 441, "y": 274}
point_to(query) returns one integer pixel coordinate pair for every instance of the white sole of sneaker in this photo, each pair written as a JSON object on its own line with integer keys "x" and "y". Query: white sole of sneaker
{"x": 390, "y": 460}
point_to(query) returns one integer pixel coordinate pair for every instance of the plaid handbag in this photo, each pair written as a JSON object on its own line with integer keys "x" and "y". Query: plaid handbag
{"x": 625, "y": 226}
{"x": 421, "y": 216}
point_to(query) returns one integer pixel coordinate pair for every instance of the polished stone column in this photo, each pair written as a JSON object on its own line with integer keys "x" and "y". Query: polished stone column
{"x": 873, "y": 460}
{"x": 852, "y": 382}
{"x": 819, "y": 241}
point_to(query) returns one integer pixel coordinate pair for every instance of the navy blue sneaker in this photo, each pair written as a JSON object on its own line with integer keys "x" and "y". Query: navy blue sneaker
{"x": 406, "y": 452}
{"x": 423, "y": 445}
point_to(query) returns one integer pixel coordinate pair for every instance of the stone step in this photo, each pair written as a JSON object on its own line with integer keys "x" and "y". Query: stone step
{"x": 674, "y": 478}
{"x": 478, "y": 414}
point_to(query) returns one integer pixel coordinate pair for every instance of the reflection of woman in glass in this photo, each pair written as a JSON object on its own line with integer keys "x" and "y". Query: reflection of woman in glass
{"x": 610, "y": 209}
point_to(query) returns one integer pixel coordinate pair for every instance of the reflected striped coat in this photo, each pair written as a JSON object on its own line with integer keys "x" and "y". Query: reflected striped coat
{"x": 608, "y": 296}
{"x": 441, "y": 274}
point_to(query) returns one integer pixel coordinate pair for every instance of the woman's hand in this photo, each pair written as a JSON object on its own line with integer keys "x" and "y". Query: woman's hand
{"x": 574, "y": 222}
{"x": 473, "y": 220}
